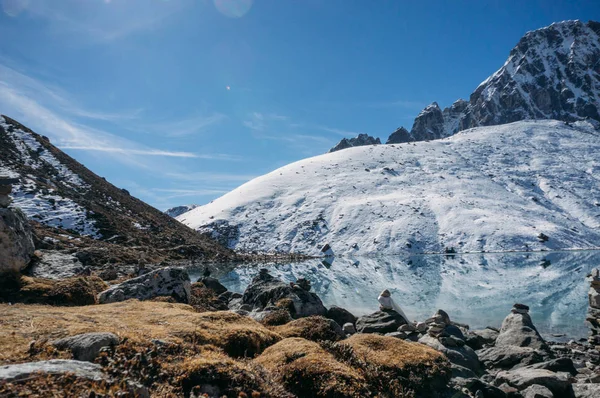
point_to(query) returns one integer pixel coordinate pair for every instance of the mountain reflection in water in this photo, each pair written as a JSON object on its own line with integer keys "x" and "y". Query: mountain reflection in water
{"x": 477, "y": 289}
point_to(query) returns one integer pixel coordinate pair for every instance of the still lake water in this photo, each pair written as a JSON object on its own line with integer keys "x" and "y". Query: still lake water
{"x": 477, "y": 289}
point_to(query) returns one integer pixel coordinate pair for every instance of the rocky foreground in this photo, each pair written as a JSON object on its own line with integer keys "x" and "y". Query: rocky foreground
{"x": 159, "y": 334}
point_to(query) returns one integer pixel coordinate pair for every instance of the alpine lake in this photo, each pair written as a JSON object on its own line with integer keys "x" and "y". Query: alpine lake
{"x": 476, "y": 289}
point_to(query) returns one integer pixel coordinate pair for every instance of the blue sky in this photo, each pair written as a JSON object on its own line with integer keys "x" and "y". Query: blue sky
{"x": 180, "y": 101}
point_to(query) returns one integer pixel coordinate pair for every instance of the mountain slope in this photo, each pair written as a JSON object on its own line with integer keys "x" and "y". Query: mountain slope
{"x": 552, "y": 73}
{"x": 58, "y": 192}
{"x": 485, "y": 189}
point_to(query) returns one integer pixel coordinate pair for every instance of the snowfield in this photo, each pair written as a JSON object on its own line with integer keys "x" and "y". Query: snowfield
{"x": 530, "y": 185}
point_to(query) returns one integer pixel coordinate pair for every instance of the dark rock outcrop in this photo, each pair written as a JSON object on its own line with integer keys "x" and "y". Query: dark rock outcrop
{"x": 399, "y": 136}
{"x": 384, "y": 321}
{"x": 213, "y": 284}
{"x": 266, "y": 290}
{"x": 16, "y": 240}
{"x": 340, "y": 315}
{"x": 360, "y": 140}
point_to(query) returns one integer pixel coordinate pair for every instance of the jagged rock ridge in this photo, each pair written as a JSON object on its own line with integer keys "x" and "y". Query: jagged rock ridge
{"x": 360, "y": 140}
{"x": 552, "y": 73}
{"x": 179, "y": 210}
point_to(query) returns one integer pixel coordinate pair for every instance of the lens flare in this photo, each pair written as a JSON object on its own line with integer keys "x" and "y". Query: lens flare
{"x": 233, "y": 8}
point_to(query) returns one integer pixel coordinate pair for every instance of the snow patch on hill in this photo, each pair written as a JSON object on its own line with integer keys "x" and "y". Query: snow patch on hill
{"x": 485, "y": 189}
{"x": 39, "y": 198}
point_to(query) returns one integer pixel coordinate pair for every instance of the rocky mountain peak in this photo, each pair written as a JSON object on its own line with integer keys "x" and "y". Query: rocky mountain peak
{"x": 552, "y": 73}
{"x": 399, "y": 136}
{"x": 360, "y": 140}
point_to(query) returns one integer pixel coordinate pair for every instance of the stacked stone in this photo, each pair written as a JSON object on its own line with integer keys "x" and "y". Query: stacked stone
{"x": 520, "y": 309}
{"x": 437, "y": 323}
{"x": 593, "y": 315}
{"x": 5, "y": 190}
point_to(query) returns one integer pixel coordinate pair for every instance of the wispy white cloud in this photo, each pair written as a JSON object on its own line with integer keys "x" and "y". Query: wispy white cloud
{"x": 100, "y": 21}
{"x": 186, "y": 126}
{"x": 340, "y": 132}
{"x": 29, "y": 101}
{"x": 216, "y": 177}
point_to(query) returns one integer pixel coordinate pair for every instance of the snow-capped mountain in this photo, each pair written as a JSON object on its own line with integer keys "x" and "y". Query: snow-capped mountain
{"x": 58, "y": 192}
{"x": 360, "y": 140}
{"x": 179, "y": 210}
{"x": 552, "y": 73}
{"x": 530, "y": 185}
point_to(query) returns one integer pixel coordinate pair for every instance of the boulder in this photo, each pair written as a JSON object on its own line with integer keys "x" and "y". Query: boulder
{"x": 213, "y": 284}
{"x": 518, "y": 330}
{"x": 462, "y": 356}
{"x": 340, "y": 315}
{"x": 265, "y": 290}
{"x": 564, "y": 365}
{"x": 168, "y": 281}
{"x": 506, "y": 357}
{"x": 477, "y": 387}
{"x": 81, "y": 369}
{"x": 16, "y": 240}
{"x": 558, "y": 383}
{"x": 87, "y": 346}
{"x": 537, "y": 391}
{"x": 586, "y": 390}
{"x": 56, "y": 265}
{"x": 384, "y": 321}
{"x": 484, "y": 336}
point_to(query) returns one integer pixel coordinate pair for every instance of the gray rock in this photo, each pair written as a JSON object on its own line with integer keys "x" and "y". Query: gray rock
{"x": 349, "y": 328}
{"x": 485, "y": 336}
{"x": 56, "y": 265}
{"x": 168, "y": 281}
{"x": 518, "y": 330}
{"x": 385, "y": 321}
{"x": 340, "y": 315}
{"x": 586, "y": 390}
{"x": 537, "y": 391}
{"x": 564, "y": 365}
{"x": 87, "y": 346}
{"x": 521, "y": 378}
{"x": 463, "y": 356}
{"x": 506, "y": 357}
{"x": 16, "y": 240}
{"x": 265, "y": 290}
{"x": 81, "y": 369}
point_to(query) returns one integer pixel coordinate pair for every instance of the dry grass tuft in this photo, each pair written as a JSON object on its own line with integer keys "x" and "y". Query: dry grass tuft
{"x": 132, "y": 319}
{"x": 394, "y": 367}
{"x": 276, "y": 318}
{"x": 63, "y": 386}
{"x": 214, "y": 372}
{"x": 81, "y": 290}
{"x": 307, "y": 370}
{"x": 313, "y": 328}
